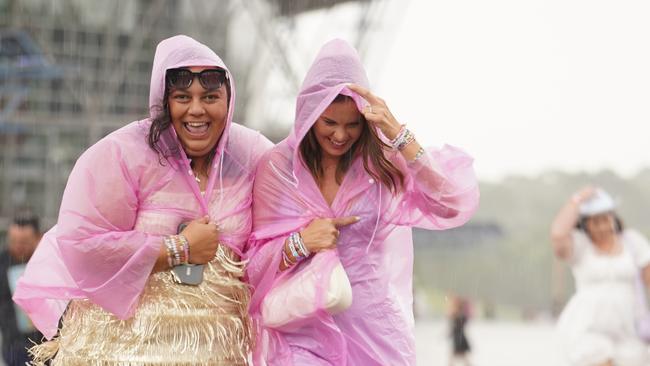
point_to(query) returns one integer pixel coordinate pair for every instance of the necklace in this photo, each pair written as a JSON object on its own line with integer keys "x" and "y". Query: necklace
{"x": 194, "y": 173}
{"x": 197, "y": 173}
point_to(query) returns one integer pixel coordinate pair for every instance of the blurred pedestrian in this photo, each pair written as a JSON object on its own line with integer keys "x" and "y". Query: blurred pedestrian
{"x": 18, "y": 333}
{"x": 597, "y": 326}
{"x": 459, "y": 316}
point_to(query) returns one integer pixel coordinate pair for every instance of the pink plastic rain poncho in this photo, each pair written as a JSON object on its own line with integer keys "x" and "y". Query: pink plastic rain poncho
{"x": 377, "y": 252}
{"x": 120, "y": 201}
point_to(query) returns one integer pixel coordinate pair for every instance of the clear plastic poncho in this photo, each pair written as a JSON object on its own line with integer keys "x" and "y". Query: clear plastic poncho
{"x": 440, "y": 192}
{"x": 120, "y": 201}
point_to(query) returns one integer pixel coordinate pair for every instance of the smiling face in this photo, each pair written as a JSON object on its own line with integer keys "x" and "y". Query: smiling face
{"x": 338, "y": 128}
{"x": 198, "y": 116}
{"x": 601, "y": 227}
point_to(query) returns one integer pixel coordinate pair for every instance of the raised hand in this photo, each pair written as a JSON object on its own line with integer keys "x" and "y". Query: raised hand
{"x": 377, "y": 112}
{"x": 583, "y": 194}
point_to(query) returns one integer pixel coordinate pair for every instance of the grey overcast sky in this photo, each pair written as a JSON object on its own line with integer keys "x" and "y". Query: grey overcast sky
{"x": 527, "y": 86}
{"x": 523, "y": 85}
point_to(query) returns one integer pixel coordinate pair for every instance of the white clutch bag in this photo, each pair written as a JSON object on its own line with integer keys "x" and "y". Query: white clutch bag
{"x": 294, "y": 299}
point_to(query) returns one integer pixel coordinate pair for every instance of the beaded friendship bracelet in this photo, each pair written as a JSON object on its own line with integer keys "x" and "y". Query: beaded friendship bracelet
{"x": 170, "y": 254}
{"x": 418, "y": 155}
{"x": 297, "y": 248}
{"x": 299, "y": 245}
{"x": 178, "y": 250}
{"x": 183, "y": 247}
{"x": 285, "y": 260}
{"x": 186, "y": 248}
{"x": 403, "y": 138}
{"x": 292, "y": 247}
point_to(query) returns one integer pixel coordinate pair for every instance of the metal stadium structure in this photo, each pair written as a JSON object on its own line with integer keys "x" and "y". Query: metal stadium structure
{"x": 72, "y": 71}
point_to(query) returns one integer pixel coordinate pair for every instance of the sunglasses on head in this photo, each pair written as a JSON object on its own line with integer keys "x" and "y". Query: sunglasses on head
{"x": 182, "y": 78}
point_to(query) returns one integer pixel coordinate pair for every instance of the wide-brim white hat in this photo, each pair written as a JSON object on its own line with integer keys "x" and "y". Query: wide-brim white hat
{"x": 600, "y": 202}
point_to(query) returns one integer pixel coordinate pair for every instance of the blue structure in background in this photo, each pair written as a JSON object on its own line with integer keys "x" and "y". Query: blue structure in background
{"x": 21, "y": 61}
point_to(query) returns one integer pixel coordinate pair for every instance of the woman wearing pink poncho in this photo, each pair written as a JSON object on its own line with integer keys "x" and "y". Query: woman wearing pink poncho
{"x": 335, "y": 183}
{"x": 105, "y": 268}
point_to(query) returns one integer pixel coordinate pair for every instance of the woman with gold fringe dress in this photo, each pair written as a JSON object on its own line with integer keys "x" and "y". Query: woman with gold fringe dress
{"x": 143, "y": 265}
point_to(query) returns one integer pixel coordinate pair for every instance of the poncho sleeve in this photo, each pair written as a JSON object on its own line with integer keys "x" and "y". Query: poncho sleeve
{"x": 109, "y": 260}
{"x": 277, "y": 211}
{"x": 440, "y": 190}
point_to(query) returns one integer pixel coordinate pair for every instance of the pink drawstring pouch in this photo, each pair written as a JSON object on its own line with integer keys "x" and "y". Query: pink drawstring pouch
{"x": 318, "y": 284}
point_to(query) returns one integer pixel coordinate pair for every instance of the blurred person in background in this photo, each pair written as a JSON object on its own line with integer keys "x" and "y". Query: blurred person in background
{"x": 597, "y": 326}
{"x": 458, "y": 317}
{"x": 348, "y": 183}
{"x": 132, "y": 283}
{"x": 18, "y": 333}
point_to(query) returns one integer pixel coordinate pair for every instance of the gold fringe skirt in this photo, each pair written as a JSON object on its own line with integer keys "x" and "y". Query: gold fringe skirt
{"x": 174, "y": 324}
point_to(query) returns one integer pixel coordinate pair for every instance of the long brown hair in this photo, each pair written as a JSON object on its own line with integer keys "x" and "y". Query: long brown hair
{"x": 369, "y": 146}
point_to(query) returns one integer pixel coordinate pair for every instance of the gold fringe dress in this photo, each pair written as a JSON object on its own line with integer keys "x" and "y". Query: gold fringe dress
{"x": 173, "y": 325}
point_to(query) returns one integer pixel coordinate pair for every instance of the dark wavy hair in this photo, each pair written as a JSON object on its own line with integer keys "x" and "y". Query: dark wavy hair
{"x": 27, "y": 218}
{"x": 161, "y": 121}
{"x": 369, "y": 146}
{"x": 618, "y": 224}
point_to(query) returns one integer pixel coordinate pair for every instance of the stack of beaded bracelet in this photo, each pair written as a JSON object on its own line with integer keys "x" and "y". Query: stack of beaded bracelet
{"x": 418, "y": 155}
{"x": 297, "y": 248}
{"x": 178, "y": 250}
{"x": 403, "y": 138}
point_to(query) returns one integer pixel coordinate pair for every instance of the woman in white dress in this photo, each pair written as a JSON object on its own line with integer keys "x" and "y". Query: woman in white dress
{"x": 597, "y": 326}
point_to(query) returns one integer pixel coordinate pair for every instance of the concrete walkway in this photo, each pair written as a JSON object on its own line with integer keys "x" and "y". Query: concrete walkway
{"x": 493, "y": 343}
